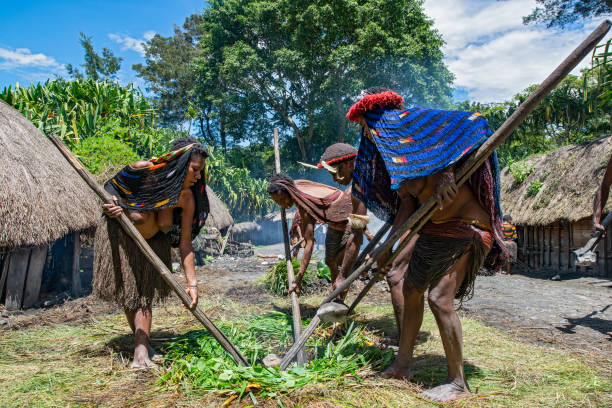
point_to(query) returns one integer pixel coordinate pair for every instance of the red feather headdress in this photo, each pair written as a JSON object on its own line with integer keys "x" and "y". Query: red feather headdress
{"x": 383, "y": 100}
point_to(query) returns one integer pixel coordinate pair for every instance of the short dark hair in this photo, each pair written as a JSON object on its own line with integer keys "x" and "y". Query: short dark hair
{"x": 507, "y": 218}
{"x": 198, "y": 149}
{"x": 274, "y": 187}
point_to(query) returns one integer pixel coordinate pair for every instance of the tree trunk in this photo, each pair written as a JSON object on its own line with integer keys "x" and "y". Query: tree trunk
{"x": 341, "y": 120}
{"x": 222, "y": 129}
{"x": 298, "y": 135}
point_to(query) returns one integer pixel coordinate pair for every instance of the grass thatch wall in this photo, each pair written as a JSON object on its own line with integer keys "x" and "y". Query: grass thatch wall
{"x": 560, "y": 185}
{"x": 219, "y": 217}
{"x": 42, "y": 197}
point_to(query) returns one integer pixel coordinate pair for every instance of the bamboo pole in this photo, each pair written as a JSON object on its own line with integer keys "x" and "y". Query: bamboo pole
{"x": 472, "y": 163}
{"x": 295, "y": 304}
{"x": 144, "y": 247}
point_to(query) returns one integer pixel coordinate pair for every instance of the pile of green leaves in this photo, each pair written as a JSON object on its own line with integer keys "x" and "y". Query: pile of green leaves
{"x": 197, "y": 363}
{"x": 275, "y": 278}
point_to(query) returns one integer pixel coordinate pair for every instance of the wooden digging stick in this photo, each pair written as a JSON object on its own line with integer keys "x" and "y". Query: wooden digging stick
{"x": 144, "y": 247}
{"x": 295, "y": 304}
{"x": 472, "y": 163}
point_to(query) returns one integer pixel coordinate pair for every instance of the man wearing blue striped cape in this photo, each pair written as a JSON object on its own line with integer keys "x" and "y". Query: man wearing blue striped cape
{"x": 405, "y": 157}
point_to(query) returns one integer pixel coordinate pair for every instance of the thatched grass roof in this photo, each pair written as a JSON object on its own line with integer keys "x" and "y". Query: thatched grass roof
{"x": 42, "y": 197}
{"x": 219, "y": 216}
{"x": 559, "y": 185}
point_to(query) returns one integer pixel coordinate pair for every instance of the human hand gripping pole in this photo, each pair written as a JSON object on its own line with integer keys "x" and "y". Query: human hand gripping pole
{"x": 472, "y": 163}
{"x": 130, "y": 230}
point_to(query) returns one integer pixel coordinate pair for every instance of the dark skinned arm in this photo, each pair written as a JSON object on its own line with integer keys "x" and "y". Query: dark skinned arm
{"x": 601, "y": 197}
{"x": 355, "y": 239}
{"x": 308, "y": 233}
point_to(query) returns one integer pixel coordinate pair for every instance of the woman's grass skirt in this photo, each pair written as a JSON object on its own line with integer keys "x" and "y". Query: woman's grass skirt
{"x": 122, "y": 273}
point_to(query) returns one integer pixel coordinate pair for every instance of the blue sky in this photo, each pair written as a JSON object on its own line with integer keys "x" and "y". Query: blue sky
{"x": 492, "y": 54}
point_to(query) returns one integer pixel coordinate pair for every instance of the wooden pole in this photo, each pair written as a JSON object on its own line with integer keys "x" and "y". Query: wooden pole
{"x": 144, "y": 247}
{"x": 295, "y": 304}
{"x": 471, "y": 164}
{"x": 227, "y": 236}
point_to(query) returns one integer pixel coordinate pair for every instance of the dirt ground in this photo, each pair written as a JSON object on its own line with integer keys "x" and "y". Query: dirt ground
{"x": 563, "y": 313}
{"x": 566, "y": 315}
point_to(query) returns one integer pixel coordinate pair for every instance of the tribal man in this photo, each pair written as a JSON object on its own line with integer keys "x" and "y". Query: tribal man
{"x": 317, "y": 203}
{"x": 166, "y": 200}
{"x": 339, "y": 160}
{"x": 405, "y": 157}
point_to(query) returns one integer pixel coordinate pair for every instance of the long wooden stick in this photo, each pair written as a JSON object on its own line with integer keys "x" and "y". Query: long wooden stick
{"x": 295, "y": 304}
{"x": 144, "y": 247}
{"x": 472, "y": 163}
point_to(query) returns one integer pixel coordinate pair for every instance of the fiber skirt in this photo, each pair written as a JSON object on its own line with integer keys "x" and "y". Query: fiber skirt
{"x": 122, "y": 273}
{"x": 512, "y": 248}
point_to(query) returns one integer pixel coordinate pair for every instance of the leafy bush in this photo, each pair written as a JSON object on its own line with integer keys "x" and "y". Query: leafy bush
{"x": 100, "y": 153}
{"x": 323, "y": 271}
{"x": 534, "y": 188}
{"x": 275, "y": 278}
{"x": 521, "y": 170}
{"x": 76, "y": 110}
{"x": 246, "y": 197}
{"x": 195, "y": 362}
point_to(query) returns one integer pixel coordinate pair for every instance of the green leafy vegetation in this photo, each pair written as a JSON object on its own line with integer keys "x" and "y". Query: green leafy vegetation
{"x": 323, "y": 271}
{"x": 520, "y": 171}
{"x": 101, "y": 153}
{"x": 246, "y": 196}
{"x": 275, "y": 278}
{"x": 197, "y": 363}
{"x": 533, "y": 189}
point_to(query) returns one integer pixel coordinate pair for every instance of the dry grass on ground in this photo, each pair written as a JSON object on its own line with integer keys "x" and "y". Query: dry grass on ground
{"x": 86, "y": 364}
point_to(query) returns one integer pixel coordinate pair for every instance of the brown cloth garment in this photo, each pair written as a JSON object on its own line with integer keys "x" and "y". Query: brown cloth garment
{"x": 323, "y": 203}
{"x": 122, "y": 273}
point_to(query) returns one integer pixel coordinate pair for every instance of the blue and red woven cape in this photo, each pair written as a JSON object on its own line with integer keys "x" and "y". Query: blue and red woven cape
{"x": 404, "y": 144}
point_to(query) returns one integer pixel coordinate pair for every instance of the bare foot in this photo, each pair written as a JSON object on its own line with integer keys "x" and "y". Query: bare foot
{"x": 153, "y": 354}
{"x": 141, "y": 358}
{"x": 449, "y": 391}
{"x": 397, "y": 370}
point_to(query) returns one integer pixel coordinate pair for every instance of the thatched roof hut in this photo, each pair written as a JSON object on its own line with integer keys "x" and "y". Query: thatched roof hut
{"x": 559, "y": 185}
{"x": 550, "y": 199}
{"x": 219, "y": 217}
{"x": 42, "y": 197}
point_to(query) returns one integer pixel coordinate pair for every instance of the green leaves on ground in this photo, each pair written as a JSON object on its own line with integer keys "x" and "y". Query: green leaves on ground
{"x": 275, "y": 278}
{"x": 196, "y": 363}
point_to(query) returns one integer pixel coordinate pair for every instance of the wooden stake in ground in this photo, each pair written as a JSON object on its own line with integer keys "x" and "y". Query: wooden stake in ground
{"x": 129, "y": 229}
{"x": 295, "y": 304}
{"x": 472, "y": 163}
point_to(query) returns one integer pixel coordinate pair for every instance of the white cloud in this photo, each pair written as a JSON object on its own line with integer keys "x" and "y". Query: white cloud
{"x": 23, "y": 58}
{"x": 130, "y": 43}
{"x": 492, "y": 54}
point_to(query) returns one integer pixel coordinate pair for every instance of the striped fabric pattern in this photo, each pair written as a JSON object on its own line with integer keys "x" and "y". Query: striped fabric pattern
{"x": 418, "y": 142}
{"x": 509, "y": 231}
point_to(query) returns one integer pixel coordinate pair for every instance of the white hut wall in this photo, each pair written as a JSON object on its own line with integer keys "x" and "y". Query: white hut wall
{"x": 550, "y": 247}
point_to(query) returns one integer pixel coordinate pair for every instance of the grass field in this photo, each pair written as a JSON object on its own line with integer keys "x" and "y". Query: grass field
{"x": 86, "y": 363}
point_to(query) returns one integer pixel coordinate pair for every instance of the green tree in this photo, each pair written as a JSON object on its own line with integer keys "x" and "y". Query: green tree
{"x": 97, "y": 67}
{"x": 560, "y": 13}
{"x": 169, "y": 73}
{"x": 570, "y": 114}
{"x": 305, "y": 62}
